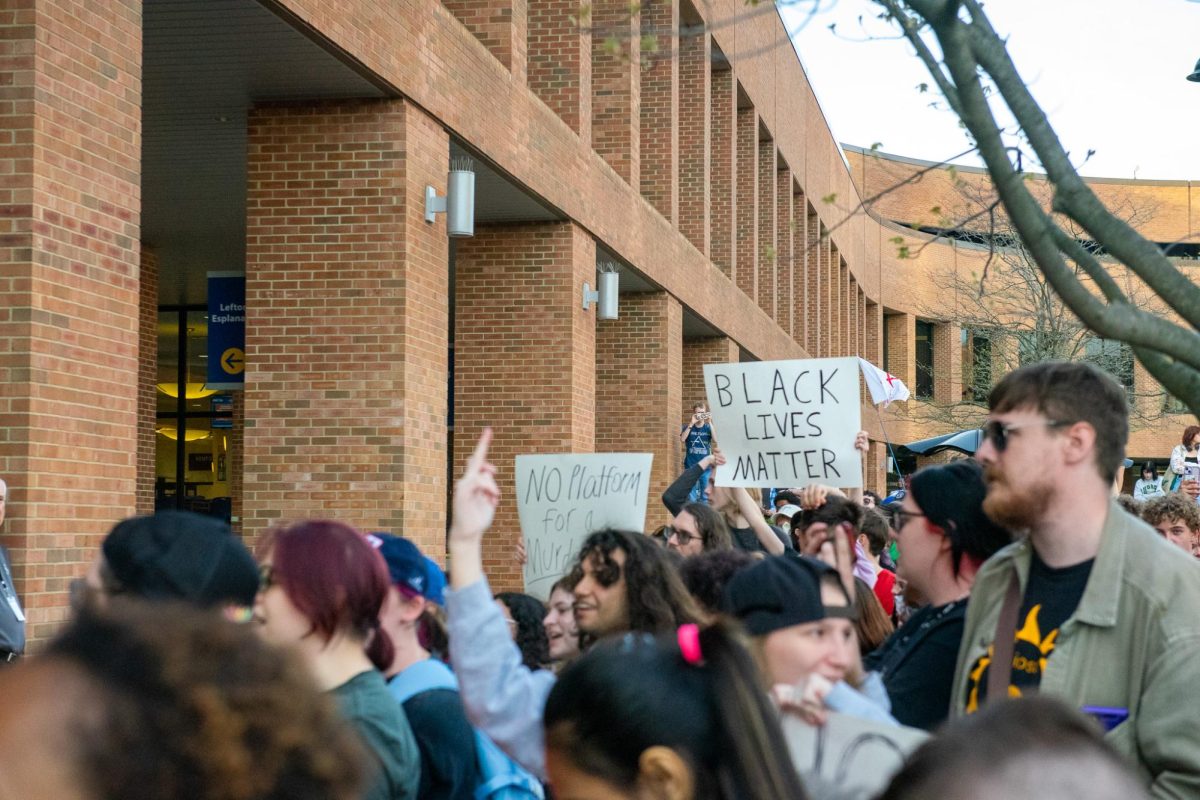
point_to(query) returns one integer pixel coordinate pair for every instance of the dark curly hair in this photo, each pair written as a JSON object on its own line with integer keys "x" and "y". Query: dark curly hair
{"x": 705, "y": 575}
{"x": 528, "y": 612}
{"x": 186, "y": 704}
{"x": 655, "y": 597}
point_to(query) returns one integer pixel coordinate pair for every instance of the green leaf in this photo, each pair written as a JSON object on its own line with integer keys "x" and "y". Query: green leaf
{"x": 612, "y": 45}
{"x": 936, "y": 211}
{"x": 649, "y": 43}
{"x": 897, "y": 240}
{"x": 829, "y": 199}
{"x": 875, "y": 146}
{"x": 922, "y": 87}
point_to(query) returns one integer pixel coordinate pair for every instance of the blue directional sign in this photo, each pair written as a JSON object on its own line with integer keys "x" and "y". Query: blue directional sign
{"x": 226, "y": 330}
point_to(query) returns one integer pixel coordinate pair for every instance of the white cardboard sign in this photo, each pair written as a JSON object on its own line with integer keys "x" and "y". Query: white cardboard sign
{"x": 562, "y": 498}
{"x": 854, "y": 755}
{"x": 783, "y": 424}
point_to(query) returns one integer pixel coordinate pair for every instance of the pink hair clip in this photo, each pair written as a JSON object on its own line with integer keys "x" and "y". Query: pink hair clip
{"x": 689, "y": 643}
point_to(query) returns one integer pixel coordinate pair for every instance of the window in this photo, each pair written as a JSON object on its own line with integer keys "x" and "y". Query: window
{"x": 977, "y": 365}
{"x": 924, "y": 388}
{"x": 194, "y": 423}
{"x": 1174, "y": 405}
{"x": 1115, "y": 358}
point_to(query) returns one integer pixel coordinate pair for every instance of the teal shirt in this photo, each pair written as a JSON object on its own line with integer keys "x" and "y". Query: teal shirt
{"x": 380, "y": 721}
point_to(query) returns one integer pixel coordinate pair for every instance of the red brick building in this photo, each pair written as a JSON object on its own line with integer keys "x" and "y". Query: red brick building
{"x": 146, "y": 143}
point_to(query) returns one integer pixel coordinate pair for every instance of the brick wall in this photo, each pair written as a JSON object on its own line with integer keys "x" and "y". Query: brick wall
{"x": 902, "y": 353}
{"x": 147, "y": 385}
{"x": 724, "y": 171}
{"x": 616, "y": 56}
{"x": 560, "y": 62}
{"x": 697, "y": 353}
{"x": 524, "y": 359}
{"x": 695, "y": 144}
{"x": 347, "y": 319}
{"x": 785, "y": 214}
{"x": 70, "y": 143}
{"x": 814, "y": 265}
{"x": 746, "y": 230}
{"x": 500, "y": 25}
{"x": 659, "y": 107}
{"x": 947, "y": 363}
{"x": 768, "y": 247}
{"x": 639, "y": 385}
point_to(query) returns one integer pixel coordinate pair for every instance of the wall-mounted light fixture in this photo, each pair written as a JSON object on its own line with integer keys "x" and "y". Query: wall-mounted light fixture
{"x": 606, "y": 298}
{"x": 459, "y": 203}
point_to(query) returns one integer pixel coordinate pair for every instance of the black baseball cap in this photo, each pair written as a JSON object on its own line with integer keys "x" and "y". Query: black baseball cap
{"x": 778, "y": 592}
{"x": 178, "y": 555}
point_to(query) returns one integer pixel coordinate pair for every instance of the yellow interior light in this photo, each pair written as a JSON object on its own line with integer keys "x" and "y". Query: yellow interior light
{"x": 193, "y": 391}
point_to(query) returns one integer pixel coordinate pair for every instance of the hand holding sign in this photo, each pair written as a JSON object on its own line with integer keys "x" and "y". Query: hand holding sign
{"x": 787, "y": 423}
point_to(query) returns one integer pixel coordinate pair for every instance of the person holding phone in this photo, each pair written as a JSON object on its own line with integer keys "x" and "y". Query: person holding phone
{"x": 1186, "y": 455}
{"x": 697, "y": 444}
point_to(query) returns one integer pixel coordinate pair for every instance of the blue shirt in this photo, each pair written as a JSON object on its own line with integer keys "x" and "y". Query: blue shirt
{"x": 698, "y": 444}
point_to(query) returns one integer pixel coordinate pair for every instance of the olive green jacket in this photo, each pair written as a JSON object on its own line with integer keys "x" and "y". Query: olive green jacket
{"x": 1133, "y": 643}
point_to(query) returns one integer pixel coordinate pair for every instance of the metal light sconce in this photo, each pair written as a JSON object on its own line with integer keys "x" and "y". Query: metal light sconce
{"x": 606, "y": 298}
{"x": 459, "y": 203}
{"x": 1195, "y": 76}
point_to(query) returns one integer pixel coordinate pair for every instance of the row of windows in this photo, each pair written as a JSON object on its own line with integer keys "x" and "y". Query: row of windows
{"x": 980, "y": 369}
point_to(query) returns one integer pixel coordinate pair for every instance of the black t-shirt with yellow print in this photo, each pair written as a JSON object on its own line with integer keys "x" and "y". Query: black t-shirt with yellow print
{"x": 1051, "y": 597}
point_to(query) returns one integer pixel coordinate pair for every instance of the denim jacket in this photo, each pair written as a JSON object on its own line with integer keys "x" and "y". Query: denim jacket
{"x": 1133, "y": 645}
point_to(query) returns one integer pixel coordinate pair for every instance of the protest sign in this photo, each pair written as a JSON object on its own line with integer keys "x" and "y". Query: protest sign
{"x": 783, "y": 424}
{"x": 856, "y": 756}
{"x": 562, "y": 498}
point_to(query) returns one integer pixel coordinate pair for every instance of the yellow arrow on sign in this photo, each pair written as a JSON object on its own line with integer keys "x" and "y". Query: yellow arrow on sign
{"x": 233, "y": 361}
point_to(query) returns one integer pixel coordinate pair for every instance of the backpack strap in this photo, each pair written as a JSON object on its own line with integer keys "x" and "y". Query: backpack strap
{"x": 1000, "y": 671}
{"x": 421, "y": 677}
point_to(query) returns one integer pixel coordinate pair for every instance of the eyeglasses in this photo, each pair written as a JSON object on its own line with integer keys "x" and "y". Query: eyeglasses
{"x": 900, "y": 518}
{"x": 266, "y": 577}
{"x": 683, "y": 537}
{"x": 997, "y": 432}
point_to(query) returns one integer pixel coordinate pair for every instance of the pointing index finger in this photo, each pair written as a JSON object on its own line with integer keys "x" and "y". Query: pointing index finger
{"x": 479, "y": 457}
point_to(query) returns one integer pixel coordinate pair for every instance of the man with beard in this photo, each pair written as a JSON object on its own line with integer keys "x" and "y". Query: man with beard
{"x": 1090, "y": 605}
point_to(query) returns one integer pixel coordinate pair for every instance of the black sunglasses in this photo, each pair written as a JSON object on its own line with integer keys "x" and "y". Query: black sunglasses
{"x": 998, "y": 432}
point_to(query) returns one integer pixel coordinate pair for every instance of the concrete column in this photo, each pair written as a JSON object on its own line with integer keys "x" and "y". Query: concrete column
{"x": 344, "y": 416}
{"x": 559, "y": 59}
{"x": 524, "y": 359}
{"x": 639, "y": 383}
{"x": 659, "y": 108}
{"x": 70, "y": 211}
{"x": 695, "y": 138}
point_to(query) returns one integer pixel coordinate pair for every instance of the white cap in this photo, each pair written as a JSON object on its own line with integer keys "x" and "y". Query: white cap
{"x": 788, "y": 511}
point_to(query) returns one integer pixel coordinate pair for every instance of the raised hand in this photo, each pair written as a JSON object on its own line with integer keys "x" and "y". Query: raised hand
{"x": 476, "y": 496}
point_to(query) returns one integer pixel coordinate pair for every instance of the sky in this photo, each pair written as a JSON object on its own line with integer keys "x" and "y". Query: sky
{"x": 1110, "y": 75}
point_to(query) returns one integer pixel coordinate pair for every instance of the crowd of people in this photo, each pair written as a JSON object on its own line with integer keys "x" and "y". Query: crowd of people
{"x": 1007, "y": 604}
